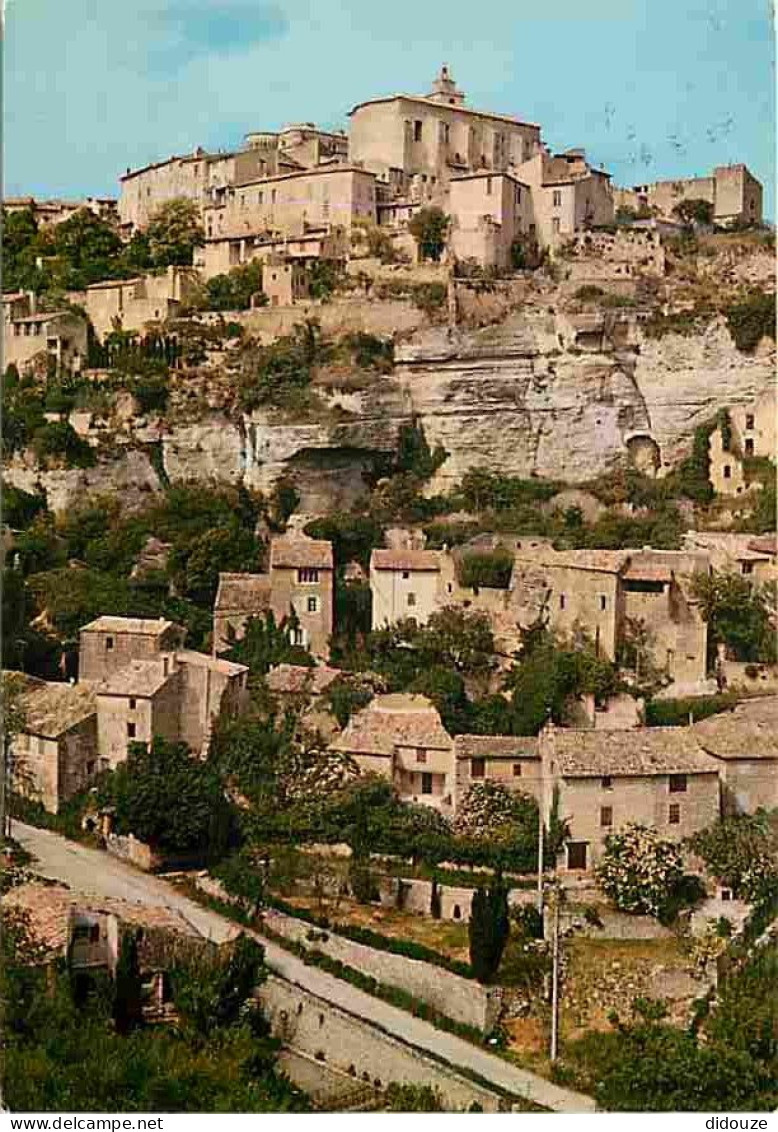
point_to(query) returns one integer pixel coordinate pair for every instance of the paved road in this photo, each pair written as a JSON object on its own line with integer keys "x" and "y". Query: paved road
{"x": 97, "y": 874}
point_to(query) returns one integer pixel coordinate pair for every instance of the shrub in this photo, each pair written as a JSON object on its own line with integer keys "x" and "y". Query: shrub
{"x": 491, "y": 569}
{"x": 430, "y": 297}
{"x": 429, "y": 228}
{"x": 639, "y": 870}
{"x": 751, "y": 320}
{"x": 58, "y": 441}
{"x": 589, "y": 292}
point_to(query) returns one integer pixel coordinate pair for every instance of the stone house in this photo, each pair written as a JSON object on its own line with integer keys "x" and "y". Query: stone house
{"x": 512, "y": 761}
{"x": 31, "y": 337}
{"x": 54, "y": 756}
{"x": 567, "y": 194}
{"x": 656, "y": 593}
{"x": 129, "y": 304}
{"x": 403, "y": 584}
{"x": 223, "y": 252}
{"x": 297, "y": 681}
{"x": 109, "y": 644}
{"x": 751, "y": 432}
{"x": 49, "y": 212}
{"x": 659, "y": 777}
{"x": 744, "y": 744}
{"x": 489, "y": 212}
{"x": 285, "y": 283}
{"x": 734, "y": 192}
{"x": 402, "y": 738}
{"x": 577, "y": 589}
{"x": 750, "y": 556}
{"x": 300, "y": 580}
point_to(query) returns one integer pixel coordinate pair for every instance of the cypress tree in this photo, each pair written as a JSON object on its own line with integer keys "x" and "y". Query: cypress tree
{"x": 488, "y": 929}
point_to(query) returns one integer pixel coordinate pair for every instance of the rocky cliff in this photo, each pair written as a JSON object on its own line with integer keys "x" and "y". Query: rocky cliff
{"x": 542, "y": 393}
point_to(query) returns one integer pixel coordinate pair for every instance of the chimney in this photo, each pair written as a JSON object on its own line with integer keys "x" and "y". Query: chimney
{"x": 33, "y": 301}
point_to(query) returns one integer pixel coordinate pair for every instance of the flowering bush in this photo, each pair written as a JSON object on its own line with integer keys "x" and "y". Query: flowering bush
{"x": 489, "y": 812}
{"x": 639, "y": 871}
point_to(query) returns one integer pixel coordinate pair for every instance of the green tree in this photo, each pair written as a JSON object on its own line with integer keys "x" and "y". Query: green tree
{"x": 488, "y": 929}
{"x": 740, "y": 851}
{"x": 266, "y": 643}
{"x": 694, "y": 211}
{"x": 738, "y": 616}
{"x": 173, "y": 232}
{"x": 221, "y": 549}
{"x": 639, "y": 870}
{"x": 429, "y": 228}
{"x": 169, "y": 799}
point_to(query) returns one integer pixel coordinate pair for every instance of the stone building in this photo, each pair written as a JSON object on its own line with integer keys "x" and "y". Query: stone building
{"x": 253, "y": 220}
{"x": 109, "y": 644}
{"x": 489, "y": 213}
{"x": 659, "y": 777}
{"x": 49, "y": 212}
{"x": 734, "y": 192}
{"x": 129, "y": 304}
{"x": 750, "y": 556}
{"x": 300, "y": 580}
{"x": 744, "y": 744}
{"x": 285, "y": 283}
{"x": 416, "y": 143}
{"x": 404, "y": 584}
{"x": 512, "y": 761}
{"x": 567, "y": 194}
{"x": 750, "y": 432}
{"x": 54, "y": 756}
{"x": 577, "y": 590}
{"x": 32, "y": 337}
{"x": 402, "y": 738}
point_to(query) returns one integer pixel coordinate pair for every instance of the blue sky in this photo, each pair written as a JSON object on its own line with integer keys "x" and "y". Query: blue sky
{"x": 651, "y": 88}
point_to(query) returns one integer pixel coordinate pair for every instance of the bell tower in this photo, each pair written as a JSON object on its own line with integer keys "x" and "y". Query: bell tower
{"x": 444, "y": 89}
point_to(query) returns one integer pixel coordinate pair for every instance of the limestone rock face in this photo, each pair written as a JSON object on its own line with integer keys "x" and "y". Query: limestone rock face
{"x": 131, "y": 477}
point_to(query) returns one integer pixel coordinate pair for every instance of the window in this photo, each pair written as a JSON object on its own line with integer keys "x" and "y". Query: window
{"x": 132, "y": 703}
{"x": 747, "y": 568}
{"x": 603, "y": 603}
{"x": 297, "y": 636}
{"x": 109, "y": 643}
{"x": 426, "y": 784}
{"x": 518, "y": 194}
{"x": 421, "y": 755}
{"x": 749, "y": 421}
{"x": 260, "y": 197}
{"x": 307, "y": 575}
{"x": 406, "y": 575}
{"x": 674, "y": 815}
{"x": 411, "y": 599}
{"x": 749, "y": 446}
{"x": 555, "y": 224}
{"x": 576, "y": 854}
{"x": 417, "y": 130}
{"x": 488, "y": 186}
{"x": 561, "y": 601}
{"x": 130, "y": 730}
{"x": 517, "y": 770}
{"x": 727, "y": 472}
{"x": 272, "y": 196}
{"x": 313, "y": 605}
{"x": 557, "y": 200}
{"x": 477, "y": 768}
{"x": 606, "y": 782}
{"x": 726, "y": 894}
{"x": 606, "y": 816}
{"x": 677, "y": 783}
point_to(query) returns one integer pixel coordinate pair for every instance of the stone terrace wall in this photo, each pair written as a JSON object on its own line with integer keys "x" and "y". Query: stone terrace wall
{"x": 308, "y": 1023}
{"x": 415, "y": 895}
{"x": 340, "y": 316}
{"x": 463, "y": 1000}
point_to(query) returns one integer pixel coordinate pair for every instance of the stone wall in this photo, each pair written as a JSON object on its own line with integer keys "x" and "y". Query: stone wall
{"x": 413, "y": 894}
{"x": 463, "y": 1000}
{"x": 135, "y": 852}
{"x": 339, "y": 316}
{"x": 312, "y": 1025}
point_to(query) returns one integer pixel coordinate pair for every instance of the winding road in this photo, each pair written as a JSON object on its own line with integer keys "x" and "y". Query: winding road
{"x": 97, "y": 874}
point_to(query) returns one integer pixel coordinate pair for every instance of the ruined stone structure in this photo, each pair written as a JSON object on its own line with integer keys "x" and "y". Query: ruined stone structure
{"x": 750, "y": 432}
{"x": 129, "y": 304}
{"x": 33, "y": 338}
{"x": 734, "y": 192}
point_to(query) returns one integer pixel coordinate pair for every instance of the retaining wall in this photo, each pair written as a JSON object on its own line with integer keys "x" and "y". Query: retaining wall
{"x": 305, "y": 1022}
{"x": 462, "y": 1000}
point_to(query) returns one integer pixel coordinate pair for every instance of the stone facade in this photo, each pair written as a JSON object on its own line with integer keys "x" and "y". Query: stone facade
{"x": 750, "y": 556}
{"x": 109, "y": 644}
{"x": 567, "y": 194}
{"x": 49, "y": 212}
{"x": 284, "y": 283}
{"x": 402, "y": 738}
{"x": 55, "y": 754}
{"x": 734, "y": 192}
{"x": 744, "y": 744}
{"x": 489, "y": 213}
{"x": 512, "y": 762}
{"x": 31, "y": 338}
{"x": 129, "y": 304}
{"x": 752, "y": 432}
{"x": 404, "y": 584}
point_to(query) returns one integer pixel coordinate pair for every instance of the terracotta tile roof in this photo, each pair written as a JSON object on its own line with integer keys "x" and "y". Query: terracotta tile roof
{"x": 216, "y": 664}
{"x": 750, "y": 731}
{"x": 243, "y": 593}
{"x": 53, "y": 709}
{"x": 150, "y": 627}
{"x": 637, "y": 572}
{"x": 639, "y": 753}
{"x": 604, "y": 561}
{"x": 292, "y": 678}
{"x": 765, "y": 544}
{"x": 405, "y": 560}
{"x": 496, "y": 747}
{"x": 296, "y": 550}
{"x": 49, "y": 906}
{"x": 398, "y": 720}
{"x": 138, "y": 678}
{"x": 662, "y": 565}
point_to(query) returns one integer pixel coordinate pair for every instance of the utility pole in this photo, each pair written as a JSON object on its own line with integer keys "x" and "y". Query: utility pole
{"x": 540, "y": 860}
{"x": 555, "y": 978}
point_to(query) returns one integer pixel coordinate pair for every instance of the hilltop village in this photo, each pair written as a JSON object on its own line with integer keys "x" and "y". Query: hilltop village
{"x": 390, "y": 559}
